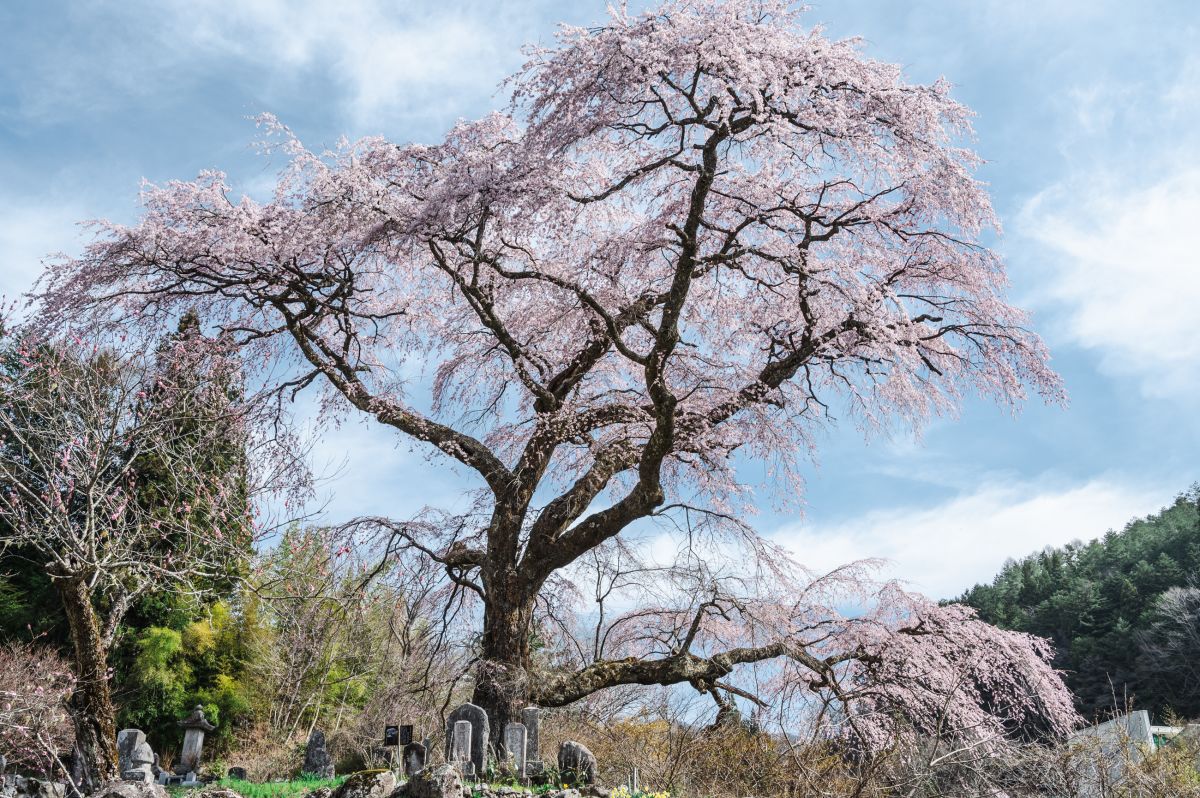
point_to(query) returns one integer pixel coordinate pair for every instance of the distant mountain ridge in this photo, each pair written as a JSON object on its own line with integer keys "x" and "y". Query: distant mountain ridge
{"x": 1103, "y": 605}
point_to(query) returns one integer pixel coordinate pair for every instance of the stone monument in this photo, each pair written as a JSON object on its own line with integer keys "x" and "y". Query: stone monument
{"x": 577, "y": 762}
{"x": 480, "y": 734}
{"x": 317, "y": 761}
{"x": 531, "y": 719}
{"x": 194, "y": 727}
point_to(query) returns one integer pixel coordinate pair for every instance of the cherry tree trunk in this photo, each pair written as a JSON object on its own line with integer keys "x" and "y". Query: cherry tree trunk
{"x": 91, "y": 705}
{"x": 502, "y": 686}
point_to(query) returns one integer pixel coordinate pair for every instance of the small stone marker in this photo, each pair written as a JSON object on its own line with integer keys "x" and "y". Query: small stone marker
{"x": 194, "y": 727}
{"x": 316, "y": 756}
{"x": 514, "y": 744}
{"x": 413, "y": 759}
{"x": 460, "y": 746}
{"x": 576, "y": 760}
{"x": 480, "y": 734}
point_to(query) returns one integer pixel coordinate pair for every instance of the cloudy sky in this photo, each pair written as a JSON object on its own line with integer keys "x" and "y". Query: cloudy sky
{"x": 1088, "y": 114}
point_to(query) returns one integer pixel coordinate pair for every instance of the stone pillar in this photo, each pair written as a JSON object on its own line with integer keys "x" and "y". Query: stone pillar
{"x": 531, "y": 719}
{"x": 194, "y": 727}
{"x": 514, "y": 744}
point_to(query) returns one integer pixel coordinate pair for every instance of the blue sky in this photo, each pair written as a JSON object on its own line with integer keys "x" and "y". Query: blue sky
{"x": 1088, "y": 114}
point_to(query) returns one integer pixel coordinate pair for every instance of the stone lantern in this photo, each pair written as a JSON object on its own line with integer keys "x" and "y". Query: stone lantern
{"x": 194, "y": 727}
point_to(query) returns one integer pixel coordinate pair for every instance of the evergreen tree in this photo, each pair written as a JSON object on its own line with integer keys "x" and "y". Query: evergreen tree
{"x": 1098, "y": 602}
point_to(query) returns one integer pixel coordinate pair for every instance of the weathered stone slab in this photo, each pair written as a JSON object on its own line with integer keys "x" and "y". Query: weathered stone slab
{"x": 514, "y": 745}
{"x": 460, "y": 746}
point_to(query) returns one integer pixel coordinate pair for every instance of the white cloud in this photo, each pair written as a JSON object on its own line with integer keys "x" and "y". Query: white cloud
{"x": 1127, "y": 274}
{"x": 945, "y": 548}
{"x": 1122, "y": 246}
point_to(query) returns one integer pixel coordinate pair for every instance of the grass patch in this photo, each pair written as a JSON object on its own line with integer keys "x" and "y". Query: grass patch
{"x": 279, "y": 789}
{"x": 271, "y": 789}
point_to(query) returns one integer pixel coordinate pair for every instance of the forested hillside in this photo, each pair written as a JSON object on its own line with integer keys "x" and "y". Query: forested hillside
{"x": 1122, "y": 610}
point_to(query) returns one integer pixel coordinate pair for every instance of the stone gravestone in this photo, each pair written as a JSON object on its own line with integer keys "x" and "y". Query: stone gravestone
{"x": 135, "y": 759}
{"x": 575, "y": 760}
{"x": 531, "y": 720}
{"x": 316, "y": 756}
{"x": 413, "y": 759}
{"x": 514, "y": 744}
{"x": 480, "y": 734}
{"x": 460, "y": 747}
{"x": 194, "y": 727}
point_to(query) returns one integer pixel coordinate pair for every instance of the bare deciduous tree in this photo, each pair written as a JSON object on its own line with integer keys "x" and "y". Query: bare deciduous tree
{"x": 35, "y": 725}
{"x": 76, "y": 425}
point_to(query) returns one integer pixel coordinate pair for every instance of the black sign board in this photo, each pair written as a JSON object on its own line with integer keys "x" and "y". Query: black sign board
{"x": 391, "y": 736}
{"x": 405, "y": 735}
